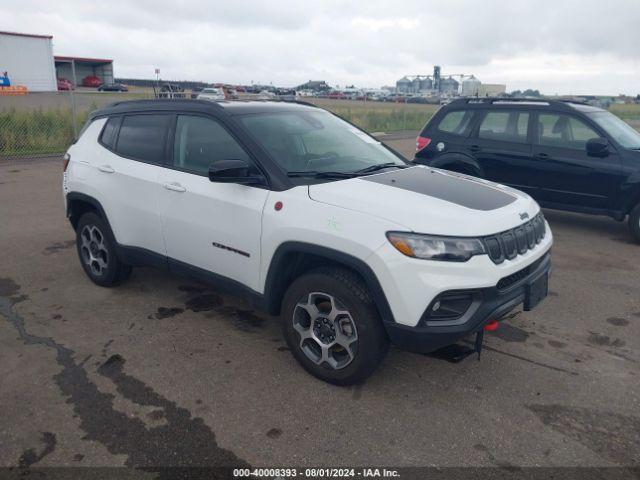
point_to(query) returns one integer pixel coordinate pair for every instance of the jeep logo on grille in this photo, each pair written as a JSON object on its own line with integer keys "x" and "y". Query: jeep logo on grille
{"x": 524, "y": 216}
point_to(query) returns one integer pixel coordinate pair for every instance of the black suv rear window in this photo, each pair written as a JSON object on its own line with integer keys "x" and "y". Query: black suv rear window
{"x": 143, "y": 137}
{"x": 456, "y": 122}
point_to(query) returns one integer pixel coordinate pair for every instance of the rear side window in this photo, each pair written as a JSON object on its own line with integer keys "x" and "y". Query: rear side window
{"x": 110, "y": 133}
{"x": 456, "y": 122}
{"x": 508, "y": 126}
{"x": 143, "y": 137}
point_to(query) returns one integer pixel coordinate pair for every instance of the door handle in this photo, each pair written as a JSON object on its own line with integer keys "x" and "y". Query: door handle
{"x": 106, "y": 169}
{"x": 174, "y": 187}
{"x": 475, "y": 148}
{"x": 542, "y": 156}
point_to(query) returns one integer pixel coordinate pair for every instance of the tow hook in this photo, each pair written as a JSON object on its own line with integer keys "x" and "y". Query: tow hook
{"x": 489, "y": 327}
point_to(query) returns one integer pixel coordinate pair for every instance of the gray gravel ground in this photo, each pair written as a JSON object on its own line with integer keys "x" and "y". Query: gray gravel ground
{"x": 166, "y": 371}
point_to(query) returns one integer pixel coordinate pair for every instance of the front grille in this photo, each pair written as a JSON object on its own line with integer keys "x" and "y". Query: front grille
{"x": 517, "y": 241}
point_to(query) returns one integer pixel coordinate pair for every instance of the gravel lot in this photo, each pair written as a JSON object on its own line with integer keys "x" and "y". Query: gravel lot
{"x": 165, "y": 371}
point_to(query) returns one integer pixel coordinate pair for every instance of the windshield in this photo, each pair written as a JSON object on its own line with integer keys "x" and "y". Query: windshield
{"x": 618, "y": 129}
{"x": 313, "y": 142}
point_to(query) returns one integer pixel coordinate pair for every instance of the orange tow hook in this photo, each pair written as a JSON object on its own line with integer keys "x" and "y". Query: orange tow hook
{"x": 491, "y": 326}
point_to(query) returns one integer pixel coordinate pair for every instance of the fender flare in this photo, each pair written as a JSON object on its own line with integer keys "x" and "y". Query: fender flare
{"x": 82, "y": 197}
{"x": 273, "y": 290}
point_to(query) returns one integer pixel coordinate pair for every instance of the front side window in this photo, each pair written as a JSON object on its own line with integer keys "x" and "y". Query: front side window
{"x": 456, "y": 122}
{"x": 316, "y": 141}
{"x": 143, "y": 137}
{"x": 200, "y": 141}
{"x": 506, "y": 126}
{"x": 618, "y": 129}
{"x": 556, "y": 130}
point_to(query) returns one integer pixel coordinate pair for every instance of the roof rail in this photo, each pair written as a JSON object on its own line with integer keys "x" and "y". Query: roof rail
{"x": 151, "y": 101}
{"x": 530, "y": 101}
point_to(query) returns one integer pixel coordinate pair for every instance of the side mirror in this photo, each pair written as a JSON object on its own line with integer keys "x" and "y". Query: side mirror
{"x": 234, "y": 171}
{"x": 598, "y": 147}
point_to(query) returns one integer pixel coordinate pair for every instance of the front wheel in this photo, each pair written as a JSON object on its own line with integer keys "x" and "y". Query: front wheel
{"x": 634, "y": 223}
{"x": 332, "y": 326}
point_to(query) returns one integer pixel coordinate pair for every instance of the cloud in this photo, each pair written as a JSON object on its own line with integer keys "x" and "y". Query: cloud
{"x": 566, "y": 47}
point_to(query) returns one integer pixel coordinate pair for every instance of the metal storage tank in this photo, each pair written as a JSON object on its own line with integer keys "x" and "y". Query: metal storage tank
{"x": 403, "y": 85}
{"x": 415, "y": 85}
{"x": 28, "y": 60}
{"x": 449, "y": 85}
{"x": 426, "y": 84}
{"x": 470, "y": 87}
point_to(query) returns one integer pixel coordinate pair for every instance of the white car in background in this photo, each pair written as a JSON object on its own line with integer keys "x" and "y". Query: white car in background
{"x": 213, "y": 94}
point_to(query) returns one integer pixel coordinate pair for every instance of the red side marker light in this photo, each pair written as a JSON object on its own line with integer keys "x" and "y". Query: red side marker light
{"x": 491, "y": 326}
{"x": 278, "y": 206}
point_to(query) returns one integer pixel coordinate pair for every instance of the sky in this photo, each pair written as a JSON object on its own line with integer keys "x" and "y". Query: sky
{"x": 556, "y": 46}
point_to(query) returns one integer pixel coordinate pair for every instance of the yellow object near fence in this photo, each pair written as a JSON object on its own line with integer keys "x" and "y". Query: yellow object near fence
{"x": 17, "y": 90}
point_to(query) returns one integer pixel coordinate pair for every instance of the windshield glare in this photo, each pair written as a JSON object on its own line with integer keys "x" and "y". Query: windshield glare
{"x": 307, "y": 141}
{"x": 618, "y": 129}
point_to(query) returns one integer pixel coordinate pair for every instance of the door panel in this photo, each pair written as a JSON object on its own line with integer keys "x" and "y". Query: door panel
{"x": 566, "y": 174}
{"x": 500, "y": 147}
{"x": 129, "y": 193}
{"x": 213, "y": 226}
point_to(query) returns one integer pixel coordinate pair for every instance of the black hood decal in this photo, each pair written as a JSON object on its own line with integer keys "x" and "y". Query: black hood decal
{"x": 446, "y": 186}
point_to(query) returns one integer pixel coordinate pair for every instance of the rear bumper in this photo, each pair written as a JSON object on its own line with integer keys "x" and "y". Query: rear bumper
{"x": 494, "y": 304}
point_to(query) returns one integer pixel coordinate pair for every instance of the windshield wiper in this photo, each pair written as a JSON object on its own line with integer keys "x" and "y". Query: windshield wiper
{"x": 380, "y": 166}
{"x": 314, "y": 174}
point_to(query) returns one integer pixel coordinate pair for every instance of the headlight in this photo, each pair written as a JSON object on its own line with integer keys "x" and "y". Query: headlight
{"x": 431, "y": 247}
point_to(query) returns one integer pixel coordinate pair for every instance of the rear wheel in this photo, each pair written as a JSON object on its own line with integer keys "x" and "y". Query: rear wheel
{"x": 332, "y": 326}
{"x": 634, "y": 223}
{"x": 96, "y": 249}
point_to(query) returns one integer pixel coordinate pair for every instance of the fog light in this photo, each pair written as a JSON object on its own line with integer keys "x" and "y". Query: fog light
{"x": 450, "y": 306}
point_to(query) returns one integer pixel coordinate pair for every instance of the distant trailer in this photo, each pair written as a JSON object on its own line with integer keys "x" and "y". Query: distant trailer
{"x": 28, "y": 61}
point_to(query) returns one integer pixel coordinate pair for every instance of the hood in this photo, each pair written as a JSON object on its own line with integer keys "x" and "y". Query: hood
{"x": 433, "y": 201}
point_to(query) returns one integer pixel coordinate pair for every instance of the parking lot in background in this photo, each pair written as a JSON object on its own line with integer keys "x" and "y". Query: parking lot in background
{"x": 164, "y": 370}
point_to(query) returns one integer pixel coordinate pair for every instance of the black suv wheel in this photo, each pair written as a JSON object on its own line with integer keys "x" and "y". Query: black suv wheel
{"x": 96, "y": 249}
{"x": 332, "y": 326}
{"x": 634, "y": 223}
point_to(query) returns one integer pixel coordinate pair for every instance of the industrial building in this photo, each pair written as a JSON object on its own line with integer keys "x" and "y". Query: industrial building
{"x": 439, "y": 85}
{"x": 29, "y": 61}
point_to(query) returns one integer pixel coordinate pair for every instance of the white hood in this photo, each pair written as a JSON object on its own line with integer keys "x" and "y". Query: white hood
{"x": 433, "y": 201}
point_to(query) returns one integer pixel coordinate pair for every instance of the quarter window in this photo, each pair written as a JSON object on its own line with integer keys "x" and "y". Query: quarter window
{"x": 200, "y": 141}
{"x": 142, "y": 137}
{"x": 110, "y": 132}
{"x": 456, "y": 122}
{"x": 564, "y": 131}
{"x": 508, "y": 126}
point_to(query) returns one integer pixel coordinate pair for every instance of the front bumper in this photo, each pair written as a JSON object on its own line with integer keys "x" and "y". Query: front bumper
{"x": 494, "y": 303}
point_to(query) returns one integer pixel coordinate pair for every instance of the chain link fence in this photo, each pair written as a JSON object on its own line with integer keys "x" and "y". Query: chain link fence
{"x": 43, "y": 124}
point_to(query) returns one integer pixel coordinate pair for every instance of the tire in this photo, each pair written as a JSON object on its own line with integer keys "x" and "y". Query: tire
{"x": 326, "y": 310}
{"x": 634, "y": 223}
{"x": 96, "y": 250}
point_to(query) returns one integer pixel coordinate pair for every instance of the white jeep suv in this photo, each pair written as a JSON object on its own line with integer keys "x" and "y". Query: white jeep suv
{"x": 310, "y": 218}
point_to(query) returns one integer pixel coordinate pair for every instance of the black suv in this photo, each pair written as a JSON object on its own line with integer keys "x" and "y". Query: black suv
{"x": 566, "y": 155}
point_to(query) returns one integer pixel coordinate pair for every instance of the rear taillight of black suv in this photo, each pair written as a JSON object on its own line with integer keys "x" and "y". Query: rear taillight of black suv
{"x": 422, "y": 142}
